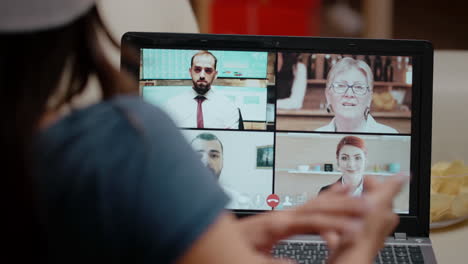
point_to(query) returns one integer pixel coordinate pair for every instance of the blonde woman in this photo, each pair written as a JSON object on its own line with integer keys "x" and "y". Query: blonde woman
{"x": 348, "y": 93}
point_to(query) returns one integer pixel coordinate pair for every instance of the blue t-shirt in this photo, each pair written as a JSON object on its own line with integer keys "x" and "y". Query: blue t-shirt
{"x": 119, "y": 183}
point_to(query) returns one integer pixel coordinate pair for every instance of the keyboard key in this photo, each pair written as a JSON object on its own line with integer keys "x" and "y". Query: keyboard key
{"x": 311, "y": 253}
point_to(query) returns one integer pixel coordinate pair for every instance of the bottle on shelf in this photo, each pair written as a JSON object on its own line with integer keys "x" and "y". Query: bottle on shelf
{"x": 368, "y": 61}
{"x": 334, "y": 59}
{"x": 378, "y": 68}
{"x": 339, "y": 57}
{"x": 326, "y": 65}
{"x": 408, "y": 71}
{"x": 398, "y": 70}
{"x": 376, "y": 168}
{"x": 319, "y": 60}
{"x": 388, "y": 70}
{"x": 312, "y": 67}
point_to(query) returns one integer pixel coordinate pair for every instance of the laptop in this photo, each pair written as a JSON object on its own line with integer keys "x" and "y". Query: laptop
{"x": 280, "y": 119}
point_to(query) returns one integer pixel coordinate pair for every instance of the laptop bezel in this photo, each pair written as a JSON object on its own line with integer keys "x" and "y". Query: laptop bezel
{"x": 416, "y": 224}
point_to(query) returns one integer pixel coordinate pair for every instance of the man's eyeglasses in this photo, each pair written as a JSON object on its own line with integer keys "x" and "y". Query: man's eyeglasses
{"x": 207, "y": 70}
{"x": 357, "y": 88}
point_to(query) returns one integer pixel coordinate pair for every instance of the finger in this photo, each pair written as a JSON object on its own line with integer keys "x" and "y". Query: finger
{"x": 271, "y": 260}
{"x": 303, "y": 224}
{"x": 387, "y": 189}
{"x": 371, "y": 184}
{"x": 332, "y": 238}
{"x": 281, "y": 261}
{"x": 337, "y": 188}
{"x": 392, "y": 222}
{"x": 282, "y": 224}
{"x": 338, "y": 205}
{"x": 395, "y": 183}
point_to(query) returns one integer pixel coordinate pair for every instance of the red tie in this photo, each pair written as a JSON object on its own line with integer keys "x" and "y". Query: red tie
{"x": 200, "y": 100}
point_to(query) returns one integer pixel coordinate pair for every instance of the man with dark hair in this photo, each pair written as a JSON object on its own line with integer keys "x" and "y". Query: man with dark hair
{"x": 202, "y": 106}
{"x": 210, "y": 149}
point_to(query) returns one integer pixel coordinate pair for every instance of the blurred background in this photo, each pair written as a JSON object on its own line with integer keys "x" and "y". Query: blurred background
{"x": 443, "y": 23}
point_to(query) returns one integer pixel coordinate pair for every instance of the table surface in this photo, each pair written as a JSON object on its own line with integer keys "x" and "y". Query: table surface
{"x": 449, "y": 142}
{"x": 450, "y": 243}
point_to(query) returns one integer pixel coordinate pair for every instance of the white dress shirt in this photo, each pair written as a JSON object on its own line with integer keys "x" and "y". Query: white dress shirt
{"x": 218, "y": 110}
{"x": 371, "y": 127}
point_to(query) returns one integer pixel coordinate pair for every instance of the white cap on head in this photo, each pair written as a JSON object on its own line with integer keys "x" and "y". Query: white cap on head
{"x": 35, "y": 15}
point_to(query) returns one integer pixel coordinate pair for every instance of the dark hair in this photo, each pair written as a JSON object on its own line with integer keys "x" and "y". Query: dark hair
{"x": 204, "y": 52}
{"x": 31, "y": 67}
{"x": 209, "y": 137}
{"x": 285, "y": 75}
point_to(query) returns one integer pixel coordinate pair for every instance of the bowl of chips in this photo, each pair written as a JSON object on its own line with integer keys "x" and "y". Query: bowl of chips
{"x": 449, "y": 193}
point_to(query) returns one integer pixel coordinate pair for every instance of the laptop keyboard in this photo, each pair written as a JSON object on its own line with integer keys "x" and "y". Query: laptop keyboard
{"x": 311, "y": 253}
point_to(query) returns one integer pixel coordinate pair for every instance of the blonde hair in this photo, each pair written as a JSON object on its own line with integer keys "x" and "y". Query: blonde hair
{"x": 348, "y": 63}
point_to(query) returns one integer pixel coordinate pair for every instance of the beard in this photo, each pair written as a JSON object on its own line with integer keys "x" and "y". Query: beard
{"x": 201, "y": 87}
{"x": 216, "y": 174}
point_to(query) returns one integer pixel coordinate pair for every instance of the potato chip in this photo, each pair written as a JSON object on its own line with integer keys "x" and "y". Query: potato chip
{"x": 439, "y": 206}
{"x": 436, "y": 184}
{"x": 446, "y": 214}
{"x": 456, "y": 168}
{"x": 439, "y": 201}
{"x": 449, "y": 185}
{"x": 449, "y": 191}
{"x": 465, "y": 181}
{"x": 460, "y": 205}
{"x": 464, "y": 189}
{"x": 439, "y": 168}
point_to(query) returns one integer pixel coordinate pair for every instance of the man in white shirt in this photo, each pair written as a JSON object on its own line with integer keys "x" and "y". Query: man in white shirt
{"x": 210, "y": 150}
{"x": 202, "y": 106}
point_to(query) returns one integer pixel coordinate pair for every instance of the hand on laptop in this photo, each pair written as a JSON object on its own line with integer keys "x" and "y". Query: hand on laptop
{"x": 333, "y": 211}
{"x": 377, "y": 223}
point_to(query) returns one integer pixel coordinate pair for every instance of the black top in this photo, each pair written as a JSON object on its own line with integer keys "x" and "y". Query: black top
{"x": 326, "y": 187}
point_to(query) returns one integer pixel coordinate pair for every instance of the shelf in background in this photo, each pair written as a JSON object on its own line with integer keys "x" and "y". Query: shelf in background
{"x": 332, "y": 172}
{"x": 393, "y": 84}
{"x": 323, "y": 113}
{"x": 378, "y": 84}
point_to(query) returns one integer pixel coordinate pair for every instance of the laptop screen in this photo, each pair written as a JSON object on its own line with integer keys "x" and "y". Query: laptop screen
{"x": 278, "y": 128}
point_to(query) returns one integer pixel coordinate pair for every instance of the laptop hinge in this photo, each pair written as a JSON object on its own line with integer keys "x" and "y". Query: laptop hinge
{"x": 400, "y": 236}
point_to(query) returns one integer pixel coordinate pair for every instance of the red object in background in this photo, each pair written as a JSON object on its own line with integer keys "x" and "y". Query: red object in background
{"x": 265, "y": 17}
